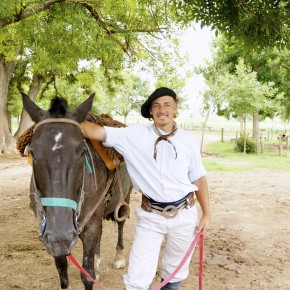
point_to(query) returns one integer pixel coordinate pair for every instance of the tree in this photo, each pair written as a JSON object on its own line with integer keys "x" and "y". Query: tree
{"x": 129, "y": 91}
{"x": 243, "y": 94}
{"x": 271, "y": 65}
{"x": 211, "y": 95}
{"x": 257, "y": 24}
{"x": 54, "y": 35}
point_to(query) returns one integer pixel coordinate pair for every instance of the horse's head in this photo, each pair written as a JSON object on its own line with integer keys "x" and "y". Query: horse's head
{"x": 58, "y": 150}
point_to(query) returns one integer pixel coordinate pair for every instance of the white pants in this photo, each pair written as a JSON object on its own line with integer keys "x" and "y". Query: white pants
{"x": 150, "y": 231}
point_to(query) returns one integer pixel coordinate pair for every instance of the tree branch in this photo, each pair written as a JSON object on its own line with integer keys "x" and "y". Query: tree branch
{"x": 97, "y": 17}
{"x": 28, "y": 12}
{"x": 116, "y": 29}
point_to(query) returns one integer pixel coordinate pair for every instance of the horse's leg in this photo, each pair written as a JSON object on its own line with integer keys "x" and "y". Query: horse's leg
{"x": 91, "y": 238}
{"x": 61, "y": 266}
{"x": 119, "y": 260}
{"x": 98, "y": 255}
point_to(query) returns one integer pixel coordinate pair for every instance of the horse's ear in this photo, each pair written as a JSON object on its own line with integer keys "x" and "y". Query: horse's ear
{"x": 80, "y": 113}
{"x": 32, "y": 109}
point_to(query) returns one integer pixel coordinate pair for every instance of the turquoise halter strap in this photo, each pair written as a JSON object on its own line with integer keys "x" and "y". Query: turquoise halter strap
{"x": 87, "y": 165}
{"x": 58, "y": 201}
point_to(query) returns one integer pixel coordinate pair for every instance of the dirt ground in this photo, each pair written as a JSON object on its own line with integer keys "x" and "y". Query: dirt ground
{"x": 248, "y": 246}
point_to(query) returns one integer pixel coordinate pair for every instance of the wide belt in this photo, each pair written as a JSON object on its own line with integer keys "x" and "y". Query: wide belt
{"x": 167, "y": 210}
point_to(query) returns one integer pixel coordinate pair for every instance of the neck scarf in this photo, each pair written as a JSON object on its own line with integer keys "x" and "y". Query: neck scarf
{"x": 165, "y": 138}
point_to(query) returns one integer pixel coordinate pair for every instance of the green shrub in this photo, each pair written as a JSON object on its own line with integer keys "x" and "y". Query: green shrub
{"x": 250, "y": 145}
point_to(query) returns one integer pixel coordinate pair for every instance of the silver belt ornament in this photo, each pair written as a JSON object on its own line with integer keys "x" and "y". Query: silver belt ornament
{"x": 170, "y": 211}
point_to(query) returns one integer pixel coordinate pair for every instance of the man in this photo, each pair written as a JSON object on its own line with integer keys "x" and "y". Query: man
{"x": 165, "y": 166}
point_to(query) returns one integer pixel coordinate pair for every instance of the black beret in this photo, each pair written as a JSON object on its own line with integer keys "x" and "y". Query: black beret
{"x": 160, "y": 92}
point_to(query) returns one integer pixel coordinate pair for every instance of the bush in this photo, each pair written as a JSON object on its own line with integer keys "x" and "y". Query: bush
{"x": 250, "y": 145}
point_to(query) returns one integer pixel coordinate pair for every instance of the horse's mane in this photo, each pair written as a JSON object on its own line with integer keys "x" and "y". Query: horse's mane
{"x": 58, "y": 107}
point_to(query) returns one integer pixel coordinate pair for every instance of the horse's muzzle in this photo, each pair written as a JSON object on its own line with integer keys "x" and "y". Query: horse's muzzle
{"x": 60, "y": 244}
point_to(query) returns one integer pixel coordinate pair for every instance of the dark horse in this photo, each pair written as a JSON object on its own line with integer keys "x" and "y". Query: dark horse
{"x": 71, "y": 189}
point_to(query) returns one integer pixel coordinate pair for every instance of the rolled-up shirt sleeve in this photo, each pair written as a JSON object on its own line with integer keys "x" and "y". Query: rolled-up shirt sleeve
{"x": 115, "y": 138}
{"x": 112, "y": 136}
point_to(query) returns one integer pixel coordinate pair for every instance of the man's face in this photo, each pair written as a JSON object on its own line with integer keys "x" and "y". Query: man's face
{"x": 163, "y": 110}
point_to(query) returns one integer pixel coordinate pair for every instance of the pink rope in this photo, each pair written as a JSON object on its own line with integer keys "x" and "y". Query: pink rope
{"x": 77, "y": 264}
{"x": 198, "y": 236}
{"x": 200, "y": 261}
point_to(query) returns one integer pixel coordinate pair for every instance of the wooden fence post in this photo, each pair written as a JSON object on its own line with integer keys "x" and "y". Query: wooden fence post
{"x": 261, "y": 143}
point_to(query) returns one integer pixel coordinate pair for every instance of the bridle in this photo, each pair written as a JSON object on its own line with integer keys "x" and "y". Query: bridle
{"x": 42, "y": 202}
{"x": 56, "y": 120}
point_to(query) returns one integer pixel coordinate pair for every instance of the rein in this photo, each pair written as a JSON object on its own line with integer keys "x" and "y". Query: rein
{"x": 82, "y": 224}
{"x": 198, "y": 237}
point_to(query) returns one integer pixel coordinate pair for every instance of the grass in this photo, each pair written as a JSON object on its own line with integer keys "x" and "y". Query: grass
{"x": 225, "y": 159}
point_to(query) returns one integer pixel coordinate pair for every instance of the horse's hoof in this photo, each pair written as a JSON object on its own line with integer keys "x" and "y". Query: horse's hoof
{"x": 120, "y": 264}
{"x": 68, "y": 288}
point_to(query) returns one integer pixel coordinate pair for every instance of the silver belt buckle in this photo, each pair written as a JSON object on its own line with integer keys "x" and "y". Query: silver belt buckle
{"x": 187, "y": 203}
{"x": 170, "y": 212}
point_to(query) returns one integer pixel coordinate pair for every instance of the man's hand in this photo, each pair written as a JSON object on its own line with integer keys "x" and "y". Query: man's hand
{"x": 204, "y": 224}
{"x": 203, "y": 198}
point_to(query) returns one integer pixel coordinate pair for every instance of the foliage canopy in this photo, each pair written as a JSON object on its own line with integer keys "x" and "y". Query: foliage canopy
{"x": 257, "y": 23}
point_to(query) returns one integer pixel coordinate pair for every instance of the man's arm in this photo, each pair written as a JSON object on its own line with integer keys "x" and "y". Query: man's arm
{"x": 93, "y": 131}
{"x": 203, "y": 198}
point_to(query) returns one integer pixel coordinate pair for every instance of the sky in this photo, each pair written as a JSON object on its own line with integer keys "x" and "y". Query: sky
{"x": 196, "y": 42}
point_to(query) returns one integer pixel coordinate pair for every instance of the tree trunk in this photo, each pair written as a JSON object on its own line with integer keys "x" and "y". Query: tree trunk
{"x": 203, "y": 129}
{"x": 241, "y": 119}
{"x": 245, "y": 133}
{"x": 9, "y": 120}
{"x": 125, "y": 119}
{"x": 25, "y": 120}
{"x": 7, "y": 142}
{"x": 256, "y": 127}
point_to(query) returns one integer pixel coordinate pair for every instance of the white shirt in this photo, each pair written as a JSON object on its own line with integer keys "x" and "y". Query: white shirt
{"x": 167, "y": 179}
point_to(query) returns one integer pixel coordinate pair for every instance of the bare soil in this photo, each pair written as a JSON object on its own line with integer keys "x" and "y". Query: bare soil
{"x": 248, "y": 246}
